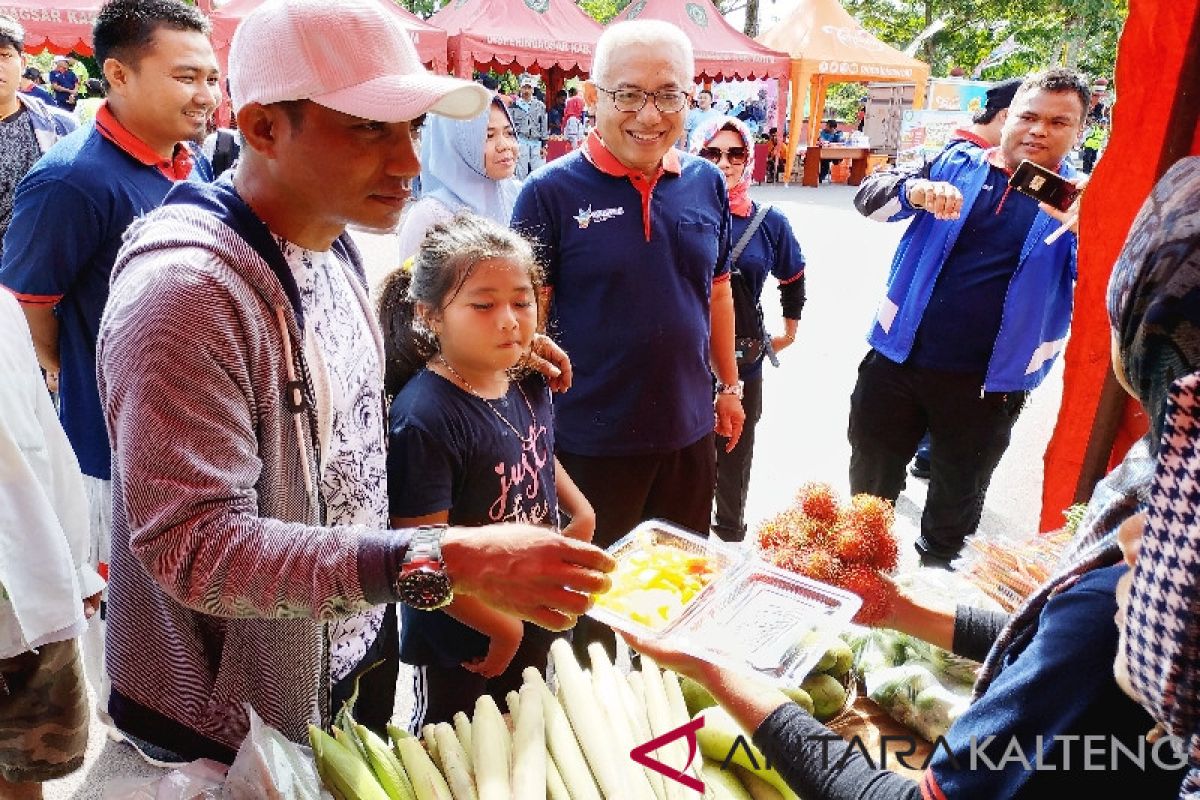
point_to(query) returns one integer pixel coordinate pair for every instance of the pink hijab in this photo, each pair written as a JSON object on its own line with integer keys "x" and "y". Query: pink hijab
{"x": 739, "y": 193}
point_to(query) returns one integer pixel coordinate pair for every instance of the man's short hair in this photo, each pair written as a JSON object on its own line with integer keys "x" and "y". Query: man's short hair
{"x": 999, "y": 97}
{"x": 653, "y": 32}
{"x": 705, "y": 91}
{"x": 573, "y": 91}
{"x": 1060, "y": 79}
{"x": 12, "y": 34}
{"x": 125, "y": 28}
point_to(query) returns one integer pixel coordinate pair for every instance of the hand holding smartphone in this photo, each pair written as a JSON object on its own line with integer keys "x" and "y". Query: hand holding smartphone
{"x": 1044, "y": 185}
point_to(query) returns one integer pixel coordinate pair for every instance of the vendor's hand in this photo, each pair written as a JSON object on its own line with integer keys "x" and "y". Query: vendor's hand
{"x": 551, "y": 360}
{"x": 502, "y": 647}
{"x": 91, "y": 605}
{"x": 899, "y": 606}
{"x": 939, "y": 198}
{"x": 675, "y": 660}
{"x": 779, "y": 343}
{"x": 526, "y": 571}
{"x": 731, "y": 418}
{"x": 582, "y": 526}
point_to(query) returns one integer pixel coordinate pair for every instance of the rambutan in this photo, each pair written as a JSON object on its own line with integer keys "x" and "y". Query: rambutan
{"x": 819, "y": 502}
{"x": 870, "y": 514}
{"x": 874, "y": 590}
{"x": 773, "y": 535}
{"x": 870, "y": 518}
{"x": 850, "y": 545}
{"x": 820, "y": 565}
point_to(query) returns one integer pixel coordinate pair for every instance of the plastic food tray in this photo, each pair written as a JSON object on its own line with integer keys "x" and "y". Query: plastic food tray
{"x": 752, "y": 617}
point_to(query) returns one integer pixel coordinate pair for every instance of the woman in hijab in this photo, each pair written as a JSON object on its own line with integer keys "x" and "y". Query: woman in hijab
{"x": 466, "y": 165}
{"x": 1154, "y": 307}
{"x": 763, "y": 245}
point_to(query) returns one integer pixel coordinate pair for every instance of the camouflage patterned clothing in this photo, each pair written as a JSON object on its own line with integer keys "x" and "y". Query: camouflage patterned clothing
{"x": 43, "y": 714}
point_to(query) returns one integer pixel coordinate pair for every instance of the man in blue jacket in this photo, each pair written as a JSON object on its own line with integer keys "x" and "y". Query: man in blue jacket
{"x": 977, "y": 309}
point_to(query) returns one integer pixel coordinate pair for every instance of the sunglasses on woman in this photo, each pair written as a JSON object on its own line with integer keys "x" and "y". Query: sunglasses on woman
{"x": 736, "y": 155}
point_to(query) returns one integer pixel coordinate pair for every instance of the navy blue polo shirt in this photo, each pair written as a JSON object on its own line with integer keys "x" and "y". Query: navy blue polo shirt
{"x": 36, "y": 91}
{"x": 631, "y": 263}
{"x": 70, "y": 81}
{"x": 959, "y": 327}
{"x": 69, "y": 214}
{"x": 772, "y": 250}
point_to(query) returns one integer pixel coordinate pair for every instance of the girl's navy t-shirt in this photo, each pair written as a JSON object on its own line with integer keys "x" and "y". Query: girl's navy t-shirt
{"x": 448, "y": 450}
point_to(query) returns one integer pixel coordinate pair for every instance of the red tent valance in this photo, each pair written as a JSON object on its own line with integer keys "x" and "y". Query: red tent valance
{"x": 533, "y": 35}
{"x": 61, "y": 26}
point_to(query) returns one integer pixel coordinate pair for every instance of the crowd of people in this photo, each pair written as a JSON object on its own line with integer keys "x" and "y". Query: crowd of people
{"x": 291, "y": 490}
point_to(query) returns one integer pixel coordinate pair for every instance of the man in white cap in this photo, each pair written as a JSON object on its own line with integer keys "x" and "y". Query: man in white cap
{"x": 241, "y": 372}
{"x": 531, "y": 126}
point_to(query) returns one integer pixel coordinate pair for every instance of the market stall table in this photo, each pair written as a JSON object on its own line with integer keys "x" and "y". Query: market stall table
{"x": 812, "y": 162}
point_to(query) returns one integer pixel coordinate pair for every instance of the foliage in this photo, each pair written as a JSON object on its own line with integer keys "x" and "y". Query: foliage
{"x": 603, "y": 10}
{"x": 422, "y": 8}
{"x": 1080, "y": 33}
{"x": 843, "y": 100}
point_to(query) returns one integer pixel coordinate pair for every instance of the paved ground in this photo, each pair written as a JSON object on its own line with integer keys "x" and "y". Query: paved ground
{"x": 803, "y": 432}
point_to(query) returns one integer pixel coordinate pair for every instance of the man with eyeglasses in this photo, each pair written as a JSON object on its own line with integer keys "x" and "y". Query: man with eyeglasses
{"x": 635, "y": 236}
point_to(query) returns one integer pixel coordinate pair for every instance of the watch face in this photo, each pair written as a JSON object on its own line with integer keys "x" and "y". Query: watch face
{"x": 424, "y": 589}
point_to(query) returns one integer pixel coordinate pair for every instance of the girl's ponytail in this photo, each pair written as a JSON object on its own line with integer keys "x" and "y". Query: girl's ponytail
{"x": 406, "y": 347}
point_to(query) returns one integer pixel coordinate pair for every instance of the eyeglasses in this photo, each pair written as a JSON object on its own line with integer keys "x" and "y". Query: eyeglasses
{"x": 629, "y": 101}
{"x": 736, "y": 155}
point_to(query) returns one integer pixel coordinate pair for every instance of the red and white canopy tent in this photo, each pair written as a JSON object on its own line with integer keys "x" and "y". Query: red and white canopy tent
{"x": 829, "y": 46}
{"x": 722, "y": 52}
{"x": 60, "y": 26}
{"x": 429, "y": 40}
{"x": 552, "y": 37}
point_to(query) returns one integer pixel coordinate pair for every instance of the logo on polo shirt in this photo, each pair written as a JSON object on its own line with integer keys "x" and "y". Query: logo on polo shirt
{"x": 588, "y": 216}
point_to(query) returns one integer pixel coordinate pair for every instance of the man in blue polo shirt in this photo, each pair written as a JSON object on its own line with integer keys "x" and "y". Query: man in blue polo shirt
{"x": 71, "y": 211}
{"x": 635, "y": 236}
{"x": 977, "y": 309}
{"x": 64, "y": 83}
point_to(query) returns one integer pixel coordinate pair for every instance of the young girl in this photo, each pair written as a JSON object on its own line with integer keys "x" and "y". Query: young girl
{"x": 471, "y": 442}
{"x": 466, "y": 165}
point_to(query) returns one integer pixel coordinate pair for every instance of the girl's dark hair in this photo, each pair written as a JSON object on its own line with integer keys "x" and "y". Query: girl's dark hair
{"x": 438, "y": 271}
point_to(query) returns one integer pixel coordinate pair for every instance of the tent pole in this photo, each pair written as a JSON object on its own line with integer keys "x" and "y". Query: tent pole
{"x": 799, "y": 87}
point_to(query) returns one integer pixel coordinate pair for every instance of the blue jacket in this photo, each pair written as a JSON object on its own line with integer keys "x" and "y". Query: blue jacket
{"x": 49, "y": 122}
{"x": 1037, "y": 308}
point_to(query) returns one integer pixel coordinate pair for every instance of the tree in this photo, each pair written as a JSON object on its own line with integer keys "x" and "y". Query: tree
{"x": 1078, "y": 33}
{"x": 603, "y": 10}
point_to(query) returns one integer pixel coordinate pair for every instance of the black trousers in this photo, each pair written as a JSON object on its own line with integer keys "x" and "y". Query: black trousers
{"x": 893, "y": 405}
{"x": 376, "y": 675}
{"x": 733, "y": 470}
{"x": 440, "y": 692}
{"x": 625, "y": 490}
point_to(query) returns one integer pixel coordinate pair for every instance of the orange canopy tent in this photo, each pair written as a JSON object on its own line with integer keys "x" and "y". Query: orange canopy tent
{"x": 551, "y": 36}
{"x": 722, "y": 52}
{"x": 430, "y": 41}
{"x": 828, "y": 46}
{"x": 1156, "y": 121}
{"x": 60, "y": 26}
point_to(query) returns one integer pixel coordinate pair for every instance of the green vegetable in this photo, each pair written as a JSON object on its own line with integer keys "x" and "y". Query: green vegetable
{"x": 800, "y": 698}
{"x": 828, "y": 695}
{"x": 695, "y": 696}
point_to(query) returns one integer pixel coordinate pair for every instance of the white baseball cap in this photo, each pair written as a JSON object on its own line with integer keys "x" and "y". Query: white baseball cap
{"x": 348, "y": 55}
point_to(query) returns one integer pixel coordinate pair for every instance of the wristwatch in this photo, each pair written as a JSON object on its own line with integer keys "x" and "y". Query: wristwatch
{"x": 423, "y": 583}
{"x": 733, "y": 389}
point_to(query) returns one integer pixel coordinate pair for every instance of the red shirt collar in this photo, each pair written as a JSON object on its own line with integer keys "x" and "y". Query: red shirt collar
{"x": 176, "y": 168}
{"x": 596, "y": 152}
{"x": 967, "y": 135}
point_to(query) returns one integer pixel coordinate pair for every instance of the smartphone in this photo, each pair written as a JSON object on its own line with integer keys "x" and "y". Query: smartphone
{"x": 1042, "y": 184}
